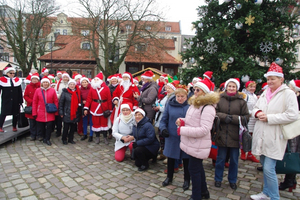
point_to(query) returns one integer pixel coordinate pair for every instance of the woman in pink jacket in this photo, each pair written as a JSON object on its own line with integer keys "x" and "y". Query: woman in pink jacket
{"x": 195, "y": 134}
{"x": 43, "y": 119}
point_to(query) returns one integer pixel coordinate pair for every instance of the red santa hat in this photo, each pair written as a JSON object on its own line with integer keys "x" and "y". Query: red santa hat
{"x": 65, "y": 74}
{"x": 165, "y": 76}
{"x": 235, "y": 80}
{"x": 172, "y": 85}
{"x": 208, "y": 74}
{"x": 58, "y": 72}
{"x": 190, "y": 84}
{"x": 72, "y": 81}
{"x": 84, "y": 79}
{"x": 136, "y": 80}
{"x": 296, "y": 84}
{"x": 8, "y": 68}
{"x": 264, "y": 86}
{"x": 148, "y": 75}
{"x": 100, "y": 76}
{"x": 126, "y": 105}
{"x": 35, "y": 75}
{"x": 45, "y": 70}
{"x": 51, "y": 76}
{"x": 54, "y": 83}
{"x": 77, "y": 76}
{"x": 109, "y": 77}
{"x": 196, "y": 79}
{"x": 28, "y": 79}
{"x": 247, "y": 84}
{"x": 129, "y": 75}
{"x": 119, "y": 76}
{"x": 140, "y": 111}
{"x": 274, "y": 70}
{"x": 115, "y": 76}
{"x": 45, "y": 79}
{"x": 206, "y": 85}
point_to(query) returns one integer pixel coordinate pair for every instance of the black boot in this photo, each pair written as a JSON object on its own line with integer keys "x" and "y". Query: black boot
{"x": 205, "y": 195}
{"x": 167, "y": 181}
{"x": 288, "y": 182}
{"x": 90, "y": 139}
{"x": 83, "y": 137}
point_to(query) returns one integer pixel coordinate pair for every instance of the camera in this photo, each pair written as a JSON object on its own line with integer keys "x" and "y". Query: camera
{"x": 153, "y": 105}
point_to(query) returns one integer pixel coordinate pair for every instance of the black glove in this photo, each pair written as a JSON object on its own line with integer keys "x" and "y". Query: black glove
{"x": 228, "y": 119}
{"x": 134, "y": 145}
{"x": 165, "y": 133}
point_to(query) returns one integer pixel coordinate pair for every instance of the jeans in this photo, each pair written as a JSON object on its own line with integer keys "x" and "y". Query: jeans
{"x": 233, "y": 166}
{"x": 85, "y": 120}
{"x": 270, "y": 179}
{"x": 198, "y": 177}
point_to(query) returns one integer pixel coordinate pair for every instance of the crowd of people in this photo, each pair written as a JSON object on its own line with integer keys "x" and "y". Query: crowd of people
{"x": 163, "y": 120}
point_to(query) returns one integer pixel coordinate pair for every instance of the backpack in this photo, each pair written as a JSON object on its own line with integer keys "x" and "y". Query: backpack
{"x": 215, "y": 127}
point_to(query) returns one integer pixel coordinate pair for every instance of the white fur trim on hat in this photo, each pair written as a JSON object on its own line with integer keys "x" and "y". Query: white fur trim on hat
{"x": 8, "y": 69}
{"x": 171, "y": 86}
{"x": 77, "y": 76}
{"x": 126, "y": 75}
{"x": 65, "y": 74}
{"x": 274, "y": 74}
{"x": 206, "y": 76}
{"x": 84, "y": 79}
{"x": 141, "y": 111}
{"x": 72, "y": 81}
{"x": 33, "y": 76}
{"x": 147, "y": 77}
{"x": 45, "y": 80}
{"x": 232, "y": 80}
{"x": 202, "y": 86}
{"x": 125, "y": 106}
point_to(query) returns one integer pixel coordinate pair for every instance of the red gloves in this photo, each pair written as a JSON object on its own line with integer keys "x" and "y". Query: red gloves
{"x": 178, "y": 130}
{"x": 182, "y": 123}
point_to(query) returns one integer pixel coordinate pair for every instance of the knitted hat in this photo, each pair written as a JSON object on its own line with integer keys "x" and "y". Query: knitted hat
{"x": 45, "y": 70}
{"x": 206, "y": 85}
{"x": 247, "y": 84}
{"x": 295, "y": 84}
{"x": 72, "y": 81}
{"x": 264, "y": 86}
{"x": 35, "y": 75}
{"x": 8, "y": 68}
{"x": 84, "y": 79}
{"x": 172, "y": 85}
{"x": 58, "y": 72}
{"x": 45, "y": 79}
{"x": 274, "y": 70}
{"x": 148, "y": 75}
{"x": 126, "y": 105}
{"x": 65, "y": 74}
{"x": 208, "y": 74}
{"x": 235, "y": 80}
{"x": 140, "y": 111}
{"x": 100, "y": 76}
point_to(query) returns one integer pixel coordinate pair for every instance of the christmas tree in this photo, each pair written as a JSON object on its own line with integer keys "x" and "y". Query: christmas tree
{"x": 242, "y": 37}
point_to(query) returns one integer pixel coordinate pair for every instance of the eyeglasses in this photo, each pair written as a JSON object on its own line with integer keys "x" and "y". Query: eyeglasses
{"x": 196, "y": 90}
{"x": 11, "y": 73}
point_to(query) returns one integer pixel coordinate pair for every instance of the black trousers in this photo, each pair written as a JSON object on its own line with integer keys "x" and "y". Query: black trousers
{"x": 101, "y": 132}
{"x": 58, "y": 123}
{"x": 198, "y": 177}
{"x": 44, "y": 129}
{"x": 68, "y": 131}
{"x": 14, "y": 120}
{"x": 33, "y": 128}
{"x": 171, "y": 163}
{"x": 142, "y": 155}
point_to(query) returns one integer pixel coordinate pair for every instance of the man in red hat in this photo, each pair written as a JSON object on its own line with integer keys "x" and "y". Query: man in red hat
{"x": 98, "y": 102}
{"x": 124, "y": 94}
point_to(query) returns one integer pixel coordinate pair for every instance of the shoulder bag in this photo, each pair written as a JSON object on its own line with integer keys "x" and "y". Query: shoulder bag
{"x": 290, "y": 164}
{"x": 28, "y": 109}
{"x": 22, "y": 120}
{"x": 50, "y": 107}
{"x": 245, "y": 139}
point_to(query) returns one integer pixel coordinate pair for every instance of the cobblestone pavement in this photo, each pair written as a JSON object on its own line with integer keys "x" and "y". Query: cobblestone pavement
{"x": 32, "y": 170}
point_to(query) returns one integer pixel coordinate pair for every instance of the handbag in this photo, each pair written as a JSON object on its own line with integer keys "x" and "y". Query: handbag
{"x": 290, "y": 164}
{"x": 106, "y": 113}
{"x": 22, "y": 120}
{"x": 28, "y": 109}
{"x": 50, "y": 107}
{"x": 245, "y": 139}
{"x": 291, "y": 130}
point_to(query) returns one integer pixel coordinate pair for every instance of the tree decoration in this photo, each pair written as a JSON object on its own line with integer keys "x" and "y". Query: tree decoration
{"x": 249, "y": 20}
{"x": 238, "y": 6}
{"x": 200, "y": 25}
{"x": 258, "y": 2}
{"x": 238, "y": 25}
{"x": 211, "y": 48}
{"x": 224, "y": 66}
{"x": 266, "y": 47}
{"x": 279, "y": 61}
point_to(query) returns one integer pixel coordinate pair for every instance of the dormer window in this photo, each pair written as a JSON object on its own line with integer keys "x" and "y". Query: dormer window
{"x": 85, "y": 32}
{"x": 128, "y": 27}
{"x": 168, "y": 28}
{"x": 86, "y": 45}
{"x": 141, "y": 47}
{"x": 148, "y": 27}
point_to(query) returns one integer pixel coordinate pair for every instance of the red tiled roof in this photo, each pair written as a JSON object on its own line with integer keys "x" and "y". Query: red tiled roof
{"x": 71, "y": 51}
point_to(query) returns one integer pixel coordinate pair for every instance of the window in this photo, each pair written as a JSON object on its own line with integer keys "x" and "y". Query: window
{"x": 65, "y": 32}
{"x": 57, "y": 31}
{"x": 128, "y": 26}
{"x": 168, "y": 28}
{"x": 148, "y": 27}
{"x": 169, "y": 71}
{"x": 85, "y": 32}
{"x": 133, "y": 70}
{"x": 5, "y": 57}
{"x": 86, "y": 46}
{"x": 141, "y": 47}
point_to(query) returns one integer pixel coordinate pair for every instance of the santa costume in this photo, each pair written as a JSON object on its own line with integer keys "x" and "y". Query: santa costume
{"x": 98, "y": 101}
{"x": 124, "y": 94}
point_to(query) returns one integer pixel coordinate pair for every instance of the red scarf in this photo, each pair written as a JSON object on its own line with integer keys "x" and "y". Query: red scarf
{"x": 75, "y": 100}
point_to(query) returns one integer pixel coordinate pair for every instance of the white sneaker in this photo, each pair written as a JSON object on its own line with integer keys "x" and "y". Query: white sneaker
{"x": 260, "y": 196}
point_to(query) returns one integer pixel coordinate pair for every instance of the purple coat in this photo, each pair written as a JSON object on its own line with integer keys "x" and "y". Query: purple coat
{"x": 195, "y": 134}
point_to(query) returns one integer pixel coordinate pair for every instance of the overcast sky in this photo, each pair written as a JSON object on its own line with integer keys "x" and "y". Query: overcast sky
{"x": 175, "y": 10}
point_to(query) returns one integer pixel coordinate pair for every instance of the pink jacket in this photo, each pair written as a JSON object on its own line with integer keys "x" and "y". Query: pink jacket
{"x": 38, "y": 105}
{"x": 195, "y": 134}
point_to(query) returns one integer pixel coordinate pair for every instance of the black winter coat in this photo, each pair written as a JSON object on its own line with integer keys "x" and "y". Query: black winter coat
{"x": 65, "y": 107}
{"x": 11, "y": 96}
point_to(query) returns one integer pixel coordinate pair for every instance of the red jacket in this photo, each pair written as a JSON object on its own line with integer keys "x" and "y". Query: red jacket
{"x": 102, "y": 93}
{"x": 84, "y": 92}
{"x": 38, "y": 105}
{"x": 29, "y": 93}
